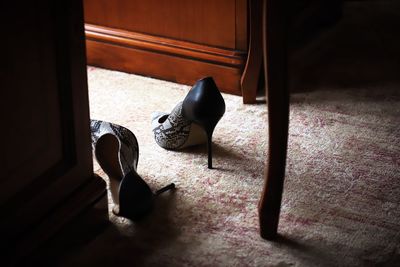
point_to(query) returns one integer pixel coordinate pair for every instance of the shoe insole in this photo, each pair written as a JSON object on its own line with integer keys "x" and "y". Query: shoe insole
{"x": 107, "y": 155}
{"x": 196, "y": 136}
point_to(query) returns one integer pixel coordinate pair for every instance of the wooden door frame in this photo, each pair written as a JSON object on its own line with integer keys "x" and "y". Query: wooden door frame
{"x": 49, "y": 184}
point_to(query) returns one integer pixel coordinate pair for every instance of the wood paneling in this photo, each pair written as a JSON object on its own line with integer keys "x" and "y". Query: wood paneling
{"x": 164, "y": 45}
{"x": 163, "y": 58}
{"x": 46, "y": 147}
{"x": 242, "y": 14}
{"x": 206, "y": 22}
{"x": 175, "y": 40}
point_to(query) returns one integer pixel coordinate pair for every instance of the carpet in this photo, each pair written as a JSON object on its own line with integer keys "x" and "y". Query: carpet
{"x": 341, "y": 198}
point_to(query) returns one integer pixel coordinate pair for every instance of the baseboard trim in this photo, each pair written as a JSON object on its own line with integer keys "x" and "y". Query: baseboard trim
{"x": 84, "y": 198}
{"x": 165, "y": 45}
{"x": 67, "y": 244}
{"x": 164, "y": 58}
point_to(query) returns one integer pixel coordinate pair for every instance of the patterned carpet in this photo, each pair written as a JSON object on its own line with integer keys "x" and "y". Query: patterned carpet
{"x": 342, "y": 188}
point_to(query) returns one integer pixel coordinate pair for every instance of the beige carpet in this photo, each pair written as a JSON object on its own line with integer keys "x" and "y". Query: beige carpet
{"x": 342, "y": 189}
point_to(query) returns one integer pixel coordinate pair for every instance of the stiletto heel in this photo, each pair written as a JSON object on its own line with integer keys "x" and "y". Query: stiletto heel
{"x": 209, "y": 129}
{"x": 164, "y": 189}
{"x": 209, "y": 150}
{"x": 117, "y": 152}
{"x": 192, "y": 121}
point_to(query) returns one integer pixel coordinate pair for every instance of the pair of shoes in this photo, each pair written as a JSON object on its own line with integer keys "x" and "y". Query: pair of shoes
{"x": 117, "y": 151}
{"x": 193, "y": 120}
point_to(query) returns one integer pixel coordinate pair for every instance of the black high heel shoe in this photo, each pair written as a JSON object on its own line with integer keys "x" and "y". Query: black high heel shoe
{"x": 192, "y": 121}
{"x": 117, "y": 152}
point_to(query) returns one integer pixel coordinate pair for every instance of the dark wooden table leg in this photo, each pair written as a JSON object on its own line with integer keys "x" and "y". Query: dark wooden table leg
{"x": 275, "y": 65}
{"x": 251, "y": 72}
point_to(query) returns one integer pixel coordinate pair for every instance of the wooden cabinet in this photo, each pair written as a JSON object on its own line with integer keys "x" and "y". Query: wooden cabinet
{"x": 46, "y": 161}
{"x": 176, "y": 40}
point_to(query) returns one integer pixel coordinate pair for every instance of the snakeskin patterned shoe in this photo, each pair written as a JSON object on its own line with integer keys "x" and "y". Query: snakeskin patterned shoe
{"x": 173, "y": 131}
{"x": 193, "y": 120}
{"x": 117, "y": 151}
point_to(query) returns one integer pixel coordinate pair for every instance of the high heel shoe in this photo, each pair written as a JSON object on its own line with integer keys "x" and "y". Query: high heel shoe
{"x": 192, "y": 121}
{"x": 117, "y": 152}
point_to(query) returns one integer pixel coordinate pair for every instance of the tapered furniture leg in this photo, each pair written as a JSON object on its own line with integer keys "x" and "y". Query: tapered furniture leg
{"x": 251, "y": 72}
{"x": 274, "y": 52}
